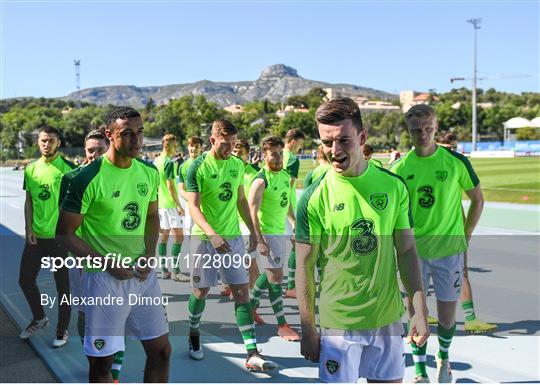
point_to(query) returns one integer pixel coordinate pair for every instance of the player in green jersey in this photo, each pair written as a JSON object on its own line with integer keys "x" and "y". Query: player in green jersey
{"x": 294, "y": 140}
{"x": 324, "y": 165}
{"x": 42, "y": 185}
{"x": 171, "y": 213}
{"x": 215, "y": 191}
{"x": 113, "y": 201}
{"x": 194, "y": 144}
{"x": 367, "y": 150}
{"x": 359, "y": 215}
{"x": 269, "y": 198}
{"x": 436, "y": 178}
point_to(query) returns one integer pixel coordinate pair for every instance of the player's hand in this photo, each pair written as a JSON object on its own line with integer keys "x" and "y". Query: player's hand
{"x": 180, "y": 211}
{"x": 121, "y": 273}
{"x": 310, "y": 346}
{"x": 142, "y": 272}
{"x": 31, "y": 237}
{"x": 220, "y": 244}
{"x": 263, "y": 248}
{"x": 418, "y": 329}
{"x": 253, "y": 243}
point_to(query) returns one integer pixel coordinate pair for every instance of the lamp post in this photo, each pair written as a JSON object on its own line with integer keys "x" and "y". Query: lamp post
{"x": 476, "y": 24}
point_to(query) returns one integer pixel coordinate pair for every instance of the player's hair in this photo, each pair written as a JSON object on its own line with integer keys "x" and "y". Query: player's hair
{"x": 223, "y": 127}
{"x": 98, "y": 133}
{"x": 271, "y": 141}
{"x": 243, "y": 143}
{"x": 294, "y": 134}
{"x": 339, "y": 109}
{"x": 448, "y": 138}
{"x": 168, "y": 138}
{"x": 121, "y": 113}
{"x": 419, "y": 111}
{"x": 194, "y": 140}
{"x": 50, "y": 130}
{"x": 367, "y": 150}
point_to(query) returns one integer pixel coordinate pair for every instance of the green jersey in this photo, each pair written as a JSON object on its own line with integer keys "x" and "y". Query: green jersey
{"x": 249, "y": 174}
{"x": 376, "y": 162}
{"x": 314, "y": 174}
{"x": 351, "y": 220}
{"x": 42, "y": 180}
{"x": 182, "y": 173}
{"x": 275, "y": 201}
{"x": 165, "y": 167}
{"x": 114, "y": 202}
{"x": 291, "y": 163}
{"x": 436, "y": 183}
{"x": 217, "y": 181}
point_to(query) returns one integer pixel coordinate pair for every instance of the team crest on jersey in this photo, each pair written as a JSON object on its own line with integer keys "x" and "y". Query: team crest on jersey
{"x": 332, "y": 366}
{"x": 441, "y": 175}
{"x": 142, "y": 188}
{"x": 196, "y": 279}
{"x": 99, "y": 343}
{"x": 379, "y": 200}
{"x": 277, "y": 259}
{"x": 234, "y": 173}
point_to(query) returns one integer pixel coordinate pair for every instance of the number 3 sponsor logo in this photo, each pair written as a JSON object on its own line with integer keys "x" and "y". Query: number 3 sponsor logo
{"x": 132, "y": 220}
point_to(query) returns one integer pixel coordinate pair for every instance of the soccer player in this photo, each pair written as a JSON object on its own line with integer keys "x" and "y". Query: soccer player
{"x": 269, "y": 198}
{"x": 472, "y": 323}
{"x": 194, "y": 150}
{"x": 294, "y": 140}
{"x": 42, "y": 185}
{"x": 324, "y": 165}
{"x": 170, "y": 211}
{"x": 114, "y": 202}
{"x": 358, "y": 214}
{"x": 436, "y": 177}
{"x": 215, "y": 192}
{"x": 367, "y": 150}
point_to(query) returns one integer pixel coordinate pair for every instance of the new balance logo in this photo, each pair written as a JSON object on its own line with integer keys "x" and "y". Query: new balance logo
{"x": 338, "y": 207}
{"x": 410, "y": 177}
{"x": 116, "y": 194}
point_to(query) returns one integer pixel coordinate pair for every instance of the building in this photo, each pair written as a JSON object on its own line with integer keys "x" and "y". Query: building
{"x": 409, "y": 98}
{"x": 234, "y": 109}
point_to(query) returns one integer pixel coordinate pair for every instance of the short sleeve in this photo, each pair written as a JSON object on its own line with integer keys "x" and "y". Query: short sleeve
{"x": 77, "y": 197}
{"x": 169, "y": 170}
{"x": 25, "y": 184}
{"x": 192, "y": 184}
{"x": 404, "y": 218}
{"x": 467, "y": 176}
{"x": 155, "y": 186}
{"x": 308, "y": 179}
{"x": 308, "y": 221}
{"x": 294, "y": 169}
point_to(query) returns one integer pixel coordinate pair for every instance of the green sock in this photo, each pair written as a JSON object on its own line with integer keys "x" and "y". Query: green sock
{"x": 118, "y": 360}
{"x": 468, "y": 310}
{"x": 196, "y": 309}
{"x": 175, "y": 252}
{"x": 419, "y": 358}
{"x": 244, "y": 320}
{"x": 261, "y": 284}
{"x": 276, "y": 300}
{"x": 445, "y": 339}
{"x": 162, "y": 252}
{"x": 292, "y": 270}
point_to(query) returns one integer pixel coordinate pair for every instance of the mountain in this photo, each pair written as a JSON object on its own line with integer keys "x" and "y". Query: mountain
{"x": 276, "y": 83}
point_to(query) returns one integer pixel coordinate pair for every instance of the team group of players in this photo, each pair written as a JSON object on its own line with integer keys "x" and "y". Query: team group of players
{"x": 353, "y": 224}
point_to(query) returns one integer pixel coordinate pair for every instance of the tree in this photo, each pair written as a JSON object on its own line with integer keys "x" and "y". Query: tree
{"x": 528, "y": 133}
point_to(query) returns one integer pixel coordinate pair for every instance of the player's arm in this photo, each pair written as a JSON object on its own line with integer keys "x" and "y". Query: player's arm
{"x": 475, "y": 210}
{"x": 256, "y": 192}
{"x": 172, "y": 191}
{"x": 182, "y": 190}
{"x": 306, "y": 258}
{"x": 409, "y": 269}
{"x": 243, "y": 210}
{"x": 68, "y": 223}
{"x": 28, "y": 214}
{"x": 292, "y": 218}
{"x": 151, "y": 235}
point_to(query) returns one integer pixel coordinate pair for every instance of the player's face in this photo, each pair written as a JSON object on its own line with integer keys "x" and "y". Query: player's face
{"x": 241, "y": 152}
{"x": 273, "y": 156}
{"x": 170, "y": 147}
{"x": 223, "y": 145}
{"x": 48, "y": 144}
{"x": 127, "y": 136}
{"x": 422, "y": 131}
{"x": 194, "y": 151}
{"x": 342, "y": 145}
{"x": 95, "y": 148}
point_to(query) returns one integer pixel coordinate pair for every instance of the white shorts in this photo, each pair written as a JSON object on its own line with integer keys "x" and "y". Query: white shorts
{"x": 376, "y": 354}
{"x": 277, "y": 245}
{"x": 75, "y": 285}
{"x": 106, "y": 325}
{"x": 188, "y": 222}
{"x": 205, "y": 263}
{"x": 447, "y": 276}
{"x": 170, "y": 219}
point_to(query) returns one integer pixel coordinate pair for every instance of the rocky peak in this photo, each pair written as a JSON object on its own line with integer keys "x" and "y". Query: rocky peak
{"x": 279, "y": 70}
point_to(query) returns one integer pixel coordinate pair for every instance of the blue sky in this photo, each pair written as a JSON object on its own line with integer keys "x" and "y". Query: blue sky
{"x": 387, "y": 45}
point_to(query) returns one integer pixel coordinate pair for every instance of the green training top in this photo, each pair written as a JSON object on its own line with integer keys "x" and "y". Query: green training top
{"x": 183, "y": 171}
{"x": 291, "y": 163}
{"x": 217, "y": 181}
{"x": 165, "y": 167}
{"x": 352, "y": 219}
{"x": 250, "y": 172}
{"x": 436, "y": 183}
{"x": 42, "y": 180}
{"x": 114, "y": 202}
{"x": 314, "y": 174}
{"x": 376, "y": 162}
{"x": 275, "y": 201}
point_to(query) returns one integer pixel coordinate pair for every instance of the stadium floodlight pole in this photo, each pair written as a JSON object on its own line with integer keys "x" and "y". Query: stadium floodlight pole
{"x": 476, "y": 24}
